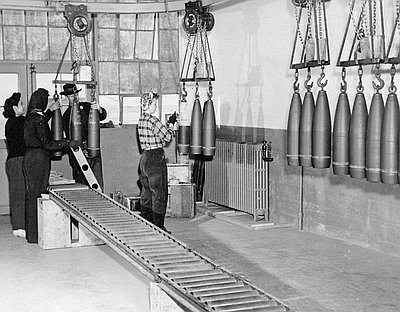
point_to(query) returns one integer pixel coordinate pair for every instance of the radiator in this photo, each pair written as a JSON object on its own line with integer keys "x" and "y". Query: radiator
{"x": 237, "y": 178}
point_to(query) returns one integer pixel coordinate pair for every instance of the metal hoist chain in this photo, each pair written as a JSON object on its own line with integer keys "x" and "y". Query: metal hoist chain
{"x": 75, "y": 58}
{"x": 309, "y": 19}
{"x": 86, "y": 40}
{"x": 398, "y": 14}
{"x": 297, "y": 11}
{"x": 374, "y": 17}
{"x": 319, "y": 8}
{"x": 77, "y": 61}
{"x": 360, "y": 31}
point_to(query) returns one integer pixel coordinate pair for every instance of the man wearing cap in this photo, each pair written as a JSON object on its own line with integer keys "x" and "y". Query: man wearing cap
{"x": 153, "y": 135}
{"x": 70, "y": 91}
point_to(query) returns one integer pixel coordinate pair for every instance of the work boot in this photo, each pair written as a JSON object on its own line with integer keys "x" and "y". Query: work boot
{"x": 158, "y": 220}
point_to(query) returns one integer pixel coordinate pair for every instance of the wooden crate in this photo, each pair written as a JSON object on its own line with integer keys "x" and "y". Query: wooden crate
{"x": 179, "y": 173}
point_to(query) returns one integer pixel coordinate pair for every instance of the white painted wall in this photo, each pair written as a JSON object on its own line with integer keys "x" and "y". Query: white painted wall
{"x": 251, "y": 46}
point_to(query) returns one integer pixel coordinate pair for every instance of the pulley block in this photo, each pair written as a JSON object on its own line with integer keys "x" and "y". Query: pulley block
{"x": 78, "y": 21}
{"x": 197, "y": 17}
{"x": 303, "y": 3}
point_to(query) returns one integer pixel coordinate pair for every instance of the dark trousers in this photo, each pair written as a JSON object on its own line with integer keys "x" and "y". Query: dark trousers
{"x": 36, "y": 171}
{"x": 95, "y": 164}
{"x": 154, "y": 192}
{"x": 16, "y": 191}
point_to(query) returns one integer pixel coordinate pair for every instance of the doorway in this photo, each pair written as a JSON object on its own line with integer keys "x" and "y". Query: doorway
{"x": 25, "y": 78}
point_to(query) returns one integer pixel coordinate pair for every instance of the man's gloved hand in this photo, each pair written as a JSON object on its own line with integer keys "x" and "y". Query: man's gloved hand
{"x": 74, "y": 144}
{"x": 172, "y": 118}
{"x": 97, "y": 106}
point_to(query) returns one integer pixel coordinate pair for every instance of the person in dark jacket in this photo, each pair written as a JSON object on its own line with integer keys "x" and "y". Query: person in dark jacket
{"x": 14, "y": 112}
{"x": 95, "y": 163}
{"x": 37, "y": 162}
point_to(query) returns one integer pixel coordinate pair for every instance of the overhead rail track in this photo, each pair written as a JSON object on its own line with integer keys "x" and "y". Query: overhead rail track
{"x": 102, "y": 7}
{"x": 190, "y": 278}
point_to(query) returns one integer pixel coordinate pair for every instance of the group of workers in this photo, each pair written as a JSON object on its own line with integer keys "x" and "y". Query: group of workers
{"x": 30, "y": 145}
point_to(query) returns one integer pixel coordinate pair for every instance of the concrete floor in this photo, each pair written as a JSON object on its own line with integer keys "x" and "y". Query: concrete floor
{"x": 310, "y": 273}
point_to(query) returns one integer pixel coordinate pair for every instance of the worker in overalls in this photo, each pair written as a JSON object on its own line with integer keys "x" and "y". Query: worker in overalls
{"x": 153, "y": 135}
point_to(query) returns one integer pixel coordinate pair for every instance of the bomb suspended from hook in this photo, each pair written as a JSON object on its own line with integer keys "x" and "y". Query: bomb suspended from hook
{"x": 93, "y": 132}
{"x": 293, "y": 130}
{"x": 56, "y": 127}
{"x": 196, "y": 128}
{"x": 341, "y": 127}
{"x": 390, "y": 141}
{"x": 184, "y": 125}
{"x": 321, "y": 133}
{"x": 373, "y": 139}
{"x": 305, "y": 129}
{"x": 357, "y": 136}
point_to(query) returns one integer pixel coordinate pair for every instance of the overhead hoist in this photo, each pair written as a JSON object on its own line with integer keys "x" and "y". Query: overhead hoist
{"x": 80, "y": 27}
{"x": 196, "y": 135}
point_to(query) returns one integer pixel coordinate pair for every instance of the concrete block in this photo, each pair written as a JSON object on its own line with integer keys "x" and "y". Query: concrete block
{"x": 53, "y": 225}
{"x": 57, "y": 229}
{"x": 182, "y": 202}
{"x": 161, "y": 301}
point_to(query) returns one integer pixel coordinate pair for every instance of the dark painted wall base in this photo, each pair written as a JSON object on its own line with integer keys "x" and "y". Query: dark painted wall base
{"x": 357, "y": 211}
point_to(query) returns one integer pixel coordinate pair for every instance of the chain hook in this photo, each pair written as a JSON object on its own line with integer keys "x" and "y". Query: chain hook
{"x": 196, "y": 92}
{"x": 184, "y": 92}
{"x": 343, "y": 86}
{"x": 392, "y": 87}
{"x": 209, "y": 93}
{"x": 381, "y": 84}
{"x": 360, "y": 87}
{"x": 321, "y": 84}
{"x": 56, "y": 97}
{"x": 306, "y": 85}
{"x": 295, "y": 83}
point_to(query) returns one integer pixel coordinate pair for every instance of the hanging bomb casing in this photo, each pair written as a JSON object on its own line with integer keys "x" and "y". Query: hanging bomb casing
{"x": 321, "y": 133}
{"x": 196, "y": 128}
{"x": 373, "y": 139}
{"x": 209, "y": 128}
{"x": 293, "y": 127}
{"x": 390, "y": 141}
{"x": 57, "y": 131}
{"x": 93, "y": 133}
{"x": 341, "y": 127}
{"x": 184, "y": 128}
{"x": 75, "y": 122}
{"x": 358, "y": 128}
{"x": 305, "y": 139}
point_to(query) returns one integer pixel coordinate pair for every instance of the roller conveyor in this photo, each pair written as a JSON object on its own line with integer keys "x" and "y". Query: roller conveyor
{"x": 191, "y": 279}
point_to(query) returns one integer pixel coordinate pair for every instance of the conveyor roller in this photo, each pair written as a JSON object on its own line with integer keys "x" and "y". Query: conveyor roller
{"x": 188, "y": 276}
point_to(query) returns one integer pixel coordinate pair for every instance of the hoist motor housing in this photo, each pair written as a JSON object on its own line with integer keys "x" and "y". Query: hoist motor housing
{"x": 196, "y": 17}
{"x": 77, "y": 20}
